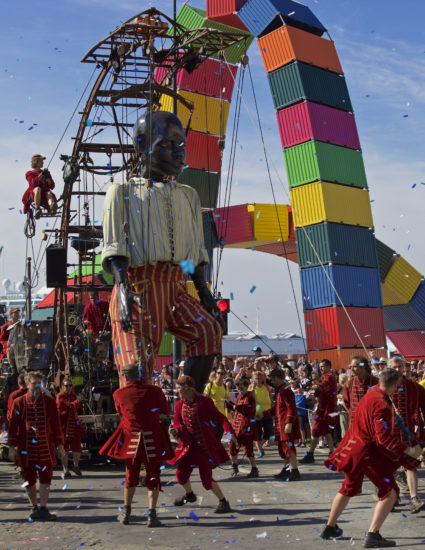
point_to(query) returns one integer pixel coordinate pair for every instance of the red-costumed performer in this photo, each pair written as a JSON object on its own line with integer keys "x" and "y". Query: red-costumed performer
{"x": 371, "y": 447}
{"x": 356, "y": 387}
{"x": 198, "y": 443}
{"x": 34, "y": 432}
{"x": 140, "y": 439}
{"x": 287, "y": 425}
{"x": 68, "y": 406}
{"x": 40, "y": 188}
{"x": 325, "y": 417}
{"x": 244, "y": 426}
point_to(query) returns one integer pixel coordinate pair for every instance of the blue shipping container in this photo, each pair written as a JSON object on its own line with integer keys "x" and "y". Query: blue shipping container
{"x": 357, "y": 286}
{"x": 261, "y": 15}
{"x": 402, "y": 317}
{"x": 418, "y": 301}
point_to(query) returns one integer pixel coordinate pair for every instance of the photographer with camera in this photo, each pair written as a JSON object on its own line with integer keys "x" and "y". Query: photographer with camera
{"x": 40, "y": 185}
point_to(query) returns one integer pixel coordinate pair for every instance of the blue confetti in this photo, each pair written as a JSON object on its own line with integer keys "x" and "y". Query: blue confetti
{"x": 187, "y": 266}
{"x": 193, "y": 516}
{"x": 252, "y": 289}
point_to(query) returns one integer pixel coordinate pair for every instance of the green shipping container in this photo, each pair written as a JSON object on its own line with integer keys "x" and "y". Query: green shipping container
{"x": 315, "y": 160}
{"x": 386, "y": 257}
{"x": 206, "y": 183}
{"x": 337, "y": 244}
{"x": 210, "y": 230}
{"x": 299, "y": 81}
{"x": 195, "y": 18}
{"x": 166, "y": 347}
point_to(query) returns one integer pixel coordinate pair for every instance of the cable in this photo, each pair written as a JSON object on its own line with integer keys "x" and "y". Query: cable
{"x": 302, "y": 227}
{"x": 277, "y": 210}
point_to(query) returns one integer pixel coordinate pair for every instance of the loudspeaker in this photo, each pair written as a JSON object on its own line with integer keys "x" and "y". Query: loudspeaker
{"x": 55, "y": 266}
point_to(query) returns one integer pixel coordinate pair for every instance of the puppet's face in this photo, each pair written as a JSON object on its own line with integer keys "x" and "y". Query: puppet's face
{"x": 161, "y": 140}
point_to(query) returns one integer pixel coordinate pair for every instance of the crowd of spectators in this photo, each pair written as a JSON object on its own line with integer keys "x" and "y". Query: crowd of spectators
{"x": 302, "y": 376}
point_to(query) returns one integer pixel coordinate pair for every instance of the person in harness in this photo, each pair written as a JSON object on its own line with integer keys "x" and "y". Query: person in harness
{"x": 40, "y": 185}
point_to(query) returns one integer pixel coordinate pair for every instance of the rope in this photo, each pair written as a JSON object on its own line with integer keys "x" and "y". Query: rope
{"x": 302, "y": 227}
{"x": 276, "y": 209}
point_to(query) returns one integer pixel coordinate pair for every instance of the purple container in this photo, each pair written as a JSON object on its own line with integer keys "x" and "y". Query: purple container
{"x": 305, "y": 121}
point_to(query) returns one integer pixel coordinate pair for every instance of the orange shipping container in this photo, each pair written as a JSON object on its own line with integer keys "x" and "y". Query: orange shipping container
{"x": 341, "y": 358}
{"x": 285, "y": 44}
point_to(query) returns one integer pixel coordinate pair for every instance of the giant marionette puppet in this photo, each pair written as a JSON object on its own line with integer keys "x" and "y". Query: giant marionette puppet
{"x": 152, "y": 225}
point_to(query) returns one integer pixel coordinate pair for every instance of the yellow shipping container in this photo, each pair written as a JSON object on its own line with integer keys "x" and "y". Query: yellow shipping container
{"x": 390, "y": 297}
{"x": 265, "y": 223}
{"x": 403, "y": 279}
{"x": 206, "y": 116}
{"x": 321, "y": 200}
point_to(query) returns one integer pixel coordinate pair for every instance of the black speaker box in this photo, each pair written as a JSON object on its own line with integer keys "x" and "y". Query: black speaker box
{"x": 55, "y": 266}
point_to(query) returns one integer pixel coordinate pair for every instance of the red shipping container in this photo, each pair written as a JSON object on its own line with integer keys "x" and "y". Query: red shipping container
{"x": 202, "y": 152}
{"x": 223, "y": 11}
{"x": 308, "y": 120}
{"x": 278, "y": 249}
{"x": 211, "y": 78}
{"x": 410, "y": 343}
{"x": 330, "y": 327}
{"x": 233, "y": 224}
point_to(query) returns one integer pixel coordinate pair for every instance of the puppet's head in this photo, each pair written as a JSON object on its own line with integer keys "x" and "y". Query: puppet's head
{"x": 160, "y": 139}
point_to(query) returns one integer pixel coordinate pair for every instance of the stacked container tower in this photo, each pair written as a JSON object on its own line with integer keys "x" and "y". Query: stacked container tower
{"x": 348, "y": 278}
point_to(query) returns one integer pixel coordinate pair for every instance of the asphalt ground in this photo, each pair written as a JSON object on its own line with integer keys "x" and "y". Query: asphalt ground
{"x": 266, "y": 513}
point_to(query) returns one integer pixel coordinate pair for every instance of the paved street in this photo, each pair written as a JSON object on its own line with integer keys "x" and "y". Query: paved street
{"x": 266, "y": 513}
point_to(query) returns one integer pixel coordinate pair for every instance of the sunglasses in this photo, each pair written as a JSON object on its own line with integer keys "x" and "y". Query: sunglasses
{"x": 67, "y": 386}
{"x": 221, "y": 373}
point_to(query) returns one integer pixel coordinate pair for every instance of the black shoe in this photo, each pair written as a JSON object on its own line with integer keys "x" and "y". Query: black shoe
{"x": 35, "y": 514}
{"x": 188, "y": 497}
{"x": 235, "y": 470}
{"x": 124, "y": 516}
{"x": 375, "y": 540}
{"x": 331, "y": 532}
{"x": 153, "y": 520}
{"x": 253, "y": 472}
{"x": 283, "y": 474}
{"x": 223, "y": 507}
{"x": 308, "y": 458}
{"x": 37, "y": 213}
{"x": 45, "y": 515}
{"x": 289, "y": 475}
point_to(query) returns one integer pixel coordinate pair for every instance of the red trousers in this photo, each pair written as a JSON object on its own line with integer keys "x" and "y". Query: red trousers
{"x": 323, "y": 426}
{"x": 73, "y": 444}
{"x": 153, "y": 472}
{"x": 248, "y": 446}
{"x": 285, "y": 448}
{"x": 45, "y": 474}
{"x": 195, "y": 457}
{"x": 167, "y": 306}
{"x": 378, "y": 471}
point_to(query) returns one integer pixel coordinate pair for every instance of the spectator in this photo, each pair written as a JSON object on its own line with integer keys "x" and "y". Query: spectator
{"x": 218, "y": 392}
{"x": 257, "y": 351}
{"x": 343, "y": 414}
{"x": 263, "y": 404}
{"x": 302, "y": 410}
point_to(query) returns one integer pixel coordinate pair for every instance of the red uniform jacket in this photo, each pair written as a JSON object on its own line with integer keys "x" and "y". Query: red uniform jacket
{"x": 327, "y": 399}
{"x": 353, "y": 391}
{"x": 140, "y": 405}
{"x": 196, "y": 429}
{"x": 286, "y": 413}
{"x": 14, "y": 395}
{"x": 35, "y": 429}
{"x": 372, "y": 436}
{"x": 410, "y": 402}
{"x": 68, "y": 405}
{"x": 97, "y": 316}
{"x": 4, "y": 338}
{"x": 244, "y": 417}
{"x": 33, "y": 182}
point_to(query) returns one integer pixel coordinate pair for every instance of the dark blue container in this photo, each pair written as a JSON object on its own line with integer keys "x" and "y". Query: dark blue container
{"x": 402, "y": 317}
{"x": 357, "y": 286}
{"x": 418, "y": 301}
{"x": 263, "y": 16}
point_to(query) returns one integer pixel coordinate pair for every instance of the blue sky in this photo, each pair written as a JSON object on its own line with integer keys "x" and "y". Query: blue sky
{"x": 381, "y": 45}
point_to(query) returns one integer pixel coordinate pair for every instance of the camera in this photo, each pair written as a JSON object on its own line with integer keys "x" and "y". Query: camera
{"x": 45, "y": 172}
